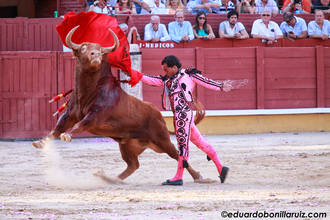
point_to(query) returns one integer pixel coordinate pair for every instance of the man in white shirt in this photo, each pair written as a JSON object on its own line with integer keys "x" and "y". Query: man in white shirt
{"x": 269, "y": 5}
{"x": 265, "y": 29}
{"x": 293, "y": 27}
{"x": 320, "y": 27}
{"x": 232, "y": 28}
{"x": 155, "y": 31}
{"x": 180, "y": 30}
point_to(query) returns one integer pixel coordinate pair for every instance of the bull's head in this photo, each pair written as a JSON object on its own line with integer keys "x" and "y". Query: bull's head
{"x": 90, "y": 55}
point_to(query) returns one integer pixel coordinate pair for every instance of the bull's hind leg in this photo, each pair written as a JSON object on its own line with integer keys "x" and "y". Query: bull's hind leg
{"x": 164, "y": 144}
{"x": 130, "y": 150}
{"x": 64, "y": 123}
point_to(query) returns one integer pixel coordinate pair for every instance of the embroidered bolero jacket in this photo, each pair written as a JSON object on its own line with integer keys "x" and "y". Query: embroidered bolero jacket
{"x": 183, "y": 81}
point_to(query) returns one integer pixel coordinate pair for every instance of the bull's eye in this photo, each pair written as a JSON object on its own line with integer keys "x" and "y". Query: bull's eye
{"x": 83, "y": 48}
{"x": 92, "y": 53}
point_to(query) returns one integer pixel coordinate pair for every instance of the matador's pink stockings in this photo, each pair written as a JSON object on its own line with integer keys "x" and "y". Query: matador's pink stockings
{"x": 201, "y": 143}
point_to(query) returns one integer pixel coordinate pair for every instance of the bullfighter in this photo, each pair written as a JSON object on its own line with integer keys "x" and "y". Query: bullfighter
{"x": 178, "y": 85}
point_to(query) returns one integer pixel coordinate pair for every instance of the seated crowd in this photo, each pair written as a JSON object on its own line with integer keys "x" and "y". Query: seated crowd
{"x": 207, "y": 6}
{"x": 179, "y": 30}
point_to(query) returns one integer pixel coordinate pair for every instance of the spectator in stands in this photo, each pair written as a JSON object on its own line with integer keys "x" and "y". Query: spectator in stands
{"x": 206, "y": 6}
{"x": 180, "y": 30}
{"x": 320, "y": 27}
{"x": 174, "y": 5}
{"x": 155, "y": 7}
{"x": 232, "y": 28}
{"x": 129, "y": 33}
{"x": 99, "y": 7}
{"x": 297, "y": 6}
{"x": 190, "y": 7}
{"x": 323, "y": 5}
{"x": 265, "y": 29}
{"x": 201, "y": 29}
{"x": 142, "y": 7}
{"x": 293, "y": 27}
{"x": 246, "y": 7}
{"x": 270, "y": 5}
{"x": 225, "y": 6}
{"x": 125, "y": 7}
{"x": 155, "y": 31}
{"x": 87, "y": 4}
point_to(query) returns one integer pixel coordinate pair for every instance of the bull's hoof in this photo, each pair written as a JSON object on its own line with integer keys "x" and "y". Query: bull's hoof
{"x": 223, "y": 174}
{"x": 204, "y": 181}
{"x": 38, "y": 144}
{"x": 108, "y": 179}
{"x": 99, "y": 173}
{"x": 66, "y": 137}
{"x": 173, "y": 183}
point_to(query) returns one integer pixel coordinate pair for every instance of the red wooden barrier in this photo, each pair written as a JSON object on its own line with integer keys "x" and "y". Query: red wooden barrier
{"x": 278, "y": 78}
{"x": 227, "y": 63}
{"x": 18, "y": 34}
{"x": 290, "y": 78}
{"x": 326, "y": 79}
{"x": 221, "y": 43}
{"x": 66, "y": 64}
{"x": 42, "y": 35}
{"x": 28, "y": 81}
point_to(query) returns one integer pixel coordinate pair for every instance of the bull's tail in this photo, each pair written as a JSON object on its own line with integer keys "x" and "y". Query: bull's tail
{"x": 200, "y": 113}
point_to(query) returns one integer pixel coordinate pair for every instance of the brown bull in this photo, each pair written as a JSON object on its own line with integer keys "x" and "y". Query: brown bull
{"x": 99, "y": 105}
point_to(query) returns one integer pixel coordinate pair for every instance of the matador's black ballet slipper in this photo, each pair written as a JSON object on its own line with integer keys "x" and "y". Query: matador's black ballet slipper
{"x": 173, "y": 183}
{"x": 223, "y": 174}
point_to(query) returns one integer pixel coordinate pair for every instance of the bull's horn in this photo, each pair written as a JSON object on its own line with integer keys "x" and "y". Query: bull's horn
{"x": 68, "y": 39}
{"x": 115, "y": 45}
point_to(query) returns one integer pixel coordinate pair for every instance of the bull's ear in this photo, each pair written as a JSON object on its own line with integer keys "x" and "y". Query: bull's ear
{"x": 75, "y": 53}
{"x": 83, "y": 48}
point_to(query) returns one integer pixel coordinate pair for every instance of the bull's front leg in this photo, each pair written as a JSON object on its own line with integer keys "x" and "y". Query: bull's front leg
{"x": 64, "y": 123}
{"x": 79, "y": 127}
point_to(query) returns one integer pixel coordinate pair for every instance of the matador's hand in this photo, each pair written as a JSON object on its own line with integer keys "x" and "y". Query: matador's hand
{"x": 227, "y": 86}
{"x": 188, "y": 69}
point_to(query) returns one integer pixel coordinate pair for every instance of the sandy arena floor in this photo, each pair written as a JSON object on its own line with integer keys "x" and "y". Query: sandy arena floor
{"x": 269, "y": 173}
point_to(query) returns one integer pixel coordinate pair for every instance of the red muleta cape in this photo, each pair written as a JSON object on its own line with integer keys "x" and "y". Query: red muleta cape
{"x": 94, "y": 29}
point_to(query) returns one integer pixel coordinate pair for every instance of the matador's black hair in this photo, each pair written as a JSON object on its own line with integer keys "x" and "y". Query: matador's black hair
{"x": 171, "y": 61}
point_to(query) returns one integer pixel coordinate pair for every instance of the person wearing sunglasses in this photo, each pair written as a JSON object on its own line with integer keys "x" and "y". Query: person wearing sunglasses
{"x": 265, "y": 29}
{"x": 293, "y": 27}
{"x": 202, "y": 30}
{"x": 232, "y": 28}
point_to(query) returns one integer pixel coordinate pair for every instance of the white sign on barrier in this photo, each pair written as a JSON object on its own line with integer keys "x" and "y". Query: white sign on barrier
{"x": 156, "y": 45}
